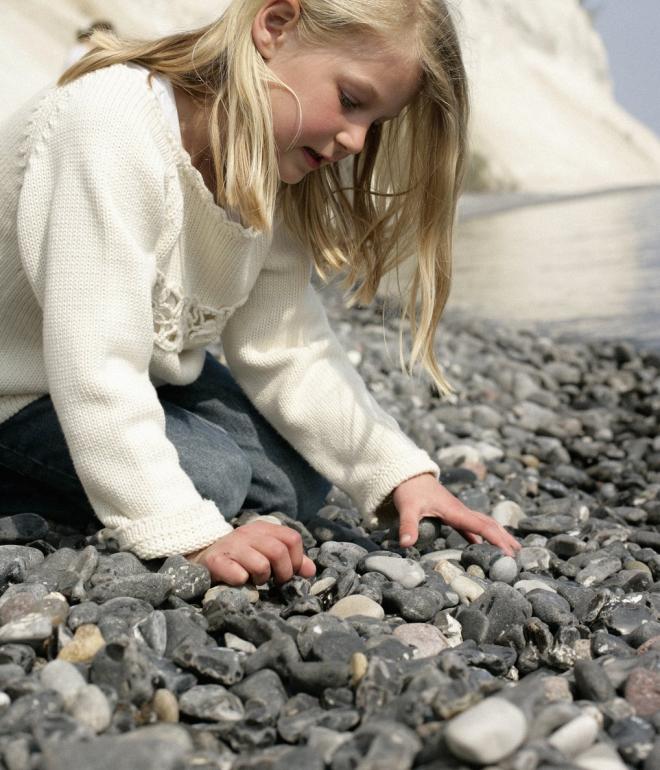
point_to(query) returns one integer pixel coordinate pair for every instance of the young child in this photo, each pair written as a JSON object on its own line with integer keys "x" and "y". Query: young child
{"x": 166, "y": 195}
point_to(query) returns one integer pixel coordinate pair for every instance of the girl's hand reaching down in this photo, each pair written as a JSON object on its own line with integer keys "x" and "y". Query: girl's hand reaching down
{"x": 422, "y": 496}
{"x": 256, "y": 552}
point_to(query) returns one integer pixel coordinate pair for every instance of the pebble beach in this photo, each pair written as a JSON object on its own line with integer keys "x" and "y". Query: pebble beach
{"x": 443, "y": 656}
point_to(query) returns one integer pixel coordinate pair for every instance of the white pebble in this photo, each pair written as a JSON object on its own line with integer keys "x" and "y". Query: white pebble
{"x": 504, "y": 570}
{"x": 600, "y": 757}
{"x": 92, "y": 708}
{"x": 448, "y": 571}
{"x": 487, "y": 732}
{"x": 576, "y": 736}
{"x": 405, "y": 572}
{"x": 525, "y": 586}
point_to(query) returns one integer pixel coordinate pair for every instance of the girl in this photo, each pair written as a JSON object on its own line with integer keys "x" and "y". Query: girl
{"x": 169, "y": 194}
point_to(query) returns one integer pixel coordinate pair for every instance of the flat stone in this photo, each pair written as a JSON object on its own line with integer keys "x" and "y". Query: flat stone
{"x": 406, "y": 572}
{"x": 597, "y": 571}
{"x": 525, "y": 586}
{"x": 211, "y": 702}
{"x": 33, "y": 627}
{"x": 22, "y": 528}
{"x": 189, "y": 580}
{"x": 426, "y": 640}
{"x": 341, "y": 556}
{"x": 351, "y": 606}
{"x": 487, "y": 732}
{"x": 448, "y": 554}
{"x": 151, "y": 587}
{"x": 217, "y": 663}
{"x": 322, "y": 585}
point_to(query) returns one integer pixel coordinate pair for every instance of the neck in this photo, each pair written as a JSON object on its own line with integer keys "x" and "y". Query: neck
{"x": 193, "y": 122}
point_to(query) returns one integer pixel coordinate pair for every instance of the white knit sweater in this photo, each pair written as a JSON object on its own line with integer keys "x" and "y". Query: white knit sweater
{"x": 117, "y": 268}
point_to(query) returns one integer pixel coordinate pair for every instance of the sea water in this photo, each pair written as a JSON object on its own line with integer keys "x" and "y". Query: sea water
{"x": 583, "y": 266}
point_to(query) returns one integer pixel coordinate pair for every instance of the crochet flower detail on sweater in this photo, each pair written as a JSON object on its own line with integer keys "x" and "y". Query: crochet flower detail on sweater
{"x": 181, "y": 322}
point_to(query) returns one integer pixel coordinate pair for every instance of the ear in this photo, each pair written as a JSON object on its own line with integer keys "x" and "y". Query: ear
{"x": 275, "y": 21}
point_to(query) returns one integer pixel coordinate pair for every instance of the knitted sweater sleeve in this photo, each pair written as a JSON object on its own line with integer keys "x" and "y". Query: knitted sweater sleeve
{"x": 93, "y": 218}
{"x": 282, "y": 351}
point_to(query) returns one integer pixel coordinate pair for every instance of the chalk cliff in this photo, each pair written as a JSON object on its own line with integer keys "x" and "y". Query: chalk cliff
{"x": 544, "y": 115}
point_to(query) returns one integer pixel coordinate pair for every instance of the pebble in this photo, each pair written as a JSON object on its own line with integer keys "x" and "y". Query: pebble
{"x": 508, "y": 514}
{"x": 351, "y": 606}
{"x": 487, "y": 732}
{"x": 642, "y": 691}
{"x": 426, "y": 640}
{"x": 165, "y": 705}
{"x": 64, "y": 678}
{"x": 92, "y": 708}
{"x": 576, "y": 736}
{"x": 600, "y": 757}
{"x": 406, "y": 572}
{"x": 211, "y": 702}
{"x": 87, "y": 641}
{"x": 525, "y": 586}
{"x": 466, "y": 588}
{"x": 504, "y": 570}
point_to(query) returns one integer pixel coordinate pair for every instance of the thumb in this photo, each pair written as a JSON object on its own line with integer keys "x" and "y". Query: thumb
{"x": 408, "y": 528}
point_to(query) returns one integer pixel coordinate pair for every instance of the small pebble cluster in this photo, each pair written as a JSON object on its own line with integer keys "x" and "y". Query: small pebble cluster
{"x": 443, "y": 656}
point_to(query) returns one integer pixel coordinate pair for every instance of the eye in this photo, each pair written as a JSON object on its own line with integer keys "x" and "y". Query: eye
{"x": 346, "y": 102}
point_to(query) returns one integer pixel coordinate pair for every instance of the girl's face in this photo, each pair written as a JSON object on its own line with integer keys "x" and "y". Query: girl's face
{"x": 342, "y": 90}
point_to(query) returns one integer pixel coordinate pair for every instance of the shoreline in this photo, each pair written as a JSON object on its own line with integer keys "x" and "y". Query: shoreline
{"x": 426, "y": 658}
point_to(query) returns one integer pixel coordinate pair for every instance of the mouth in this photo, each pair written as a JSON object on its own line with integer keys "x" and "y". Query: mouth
{"x": 313, "y": 158}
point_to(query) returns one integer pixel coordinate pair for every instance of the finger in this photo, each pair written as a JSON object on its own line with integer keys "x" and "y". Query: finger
{"x": 293, "y": 542}
{"x": 470, "y": 536}
{"x": 278, "y": 556}
{"x": 226, "y": 570}
{"x": 307, "y": 568}
{"x": 408, "y": 528}
{"x": 255, "y": 562}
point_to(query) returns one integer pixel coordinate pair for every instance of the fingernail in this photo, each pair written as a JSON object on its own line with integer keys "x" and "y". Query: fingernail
{"x": 406, "y": 540}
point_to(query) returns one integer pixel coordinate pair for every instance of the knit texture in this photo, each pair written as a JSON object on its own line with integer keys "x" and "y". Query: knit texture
{"x": 117, "y": 268}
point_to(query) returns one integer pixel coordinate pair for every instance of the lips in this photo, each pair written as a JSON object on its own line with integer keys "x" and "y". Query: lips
{"x": 313, "y": 157}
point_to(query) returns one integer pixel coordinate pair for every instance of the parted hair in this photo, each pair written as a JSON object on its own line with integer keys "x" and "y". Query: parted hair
{"x": 393, "y": 203}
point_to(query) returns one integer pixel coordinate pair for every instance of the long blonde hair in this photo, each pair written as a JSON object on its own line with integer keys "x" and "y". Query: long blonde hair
{"x": 396, "y": 200}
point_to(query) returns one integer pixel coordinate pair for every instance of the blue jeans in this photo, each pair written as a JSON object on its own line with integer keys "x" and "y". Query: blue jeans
{"x": 232, "y": 454}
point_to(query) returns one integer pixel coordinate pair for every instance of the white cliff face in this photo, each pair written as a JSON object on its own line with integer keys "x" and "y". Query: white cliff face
{"x": 544, "y": 117}
{"x": 544, "y": 114}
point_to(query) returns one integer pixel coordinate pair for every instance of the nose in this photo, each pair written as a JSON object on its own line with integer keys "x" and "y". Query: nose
{"x": 352, "y": 138}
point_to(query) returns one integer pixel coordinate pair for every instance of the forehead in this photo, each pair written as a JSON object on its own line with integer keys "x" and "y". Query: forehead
{"x": 389, "y": 68}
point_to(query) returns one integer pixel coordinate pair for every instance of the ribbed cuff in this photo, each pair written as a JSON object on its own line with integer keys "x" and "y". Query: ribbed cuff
{"x": 391, "y": 475}
{"x": 181, "y": 533}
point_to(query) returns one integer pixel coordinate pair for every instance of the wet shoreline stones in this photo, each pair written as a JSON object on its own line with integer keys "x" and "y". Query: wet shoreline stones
{"x": 443, "y": 656}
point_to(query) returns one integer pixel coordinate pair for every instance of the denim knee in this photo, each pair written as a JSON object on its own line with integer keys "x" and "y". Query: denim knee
{"x": 229, "y": 486}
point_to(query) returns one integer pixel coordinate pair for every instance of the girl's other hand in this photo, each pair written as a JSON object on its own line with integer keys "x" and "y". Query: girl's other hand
{"x": 256, "y": 552}
{"x": 423, "y": 496}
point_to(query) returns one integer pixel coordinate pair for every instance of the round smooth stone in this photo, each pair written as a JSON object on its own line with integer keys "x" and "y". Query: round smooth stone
{"x": 487, "y": 732}
{"x": 356, "y": 604}
{"x": 504, "y": 570}
{"x": 426, "y": 640}
{"x": 359, "y": 664}
{"x": 405, "y": 572}
{"x": 467, "y": 590}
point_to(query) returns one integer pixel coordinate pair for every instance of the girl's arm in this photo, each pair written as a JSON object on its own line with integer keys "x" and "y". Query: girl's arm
{"x": 282, "y": 351}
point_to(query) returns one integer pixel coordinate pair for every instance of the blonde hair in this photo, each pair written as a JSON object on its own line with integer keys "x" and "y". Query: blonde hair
{"x": 394, "y": 200}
